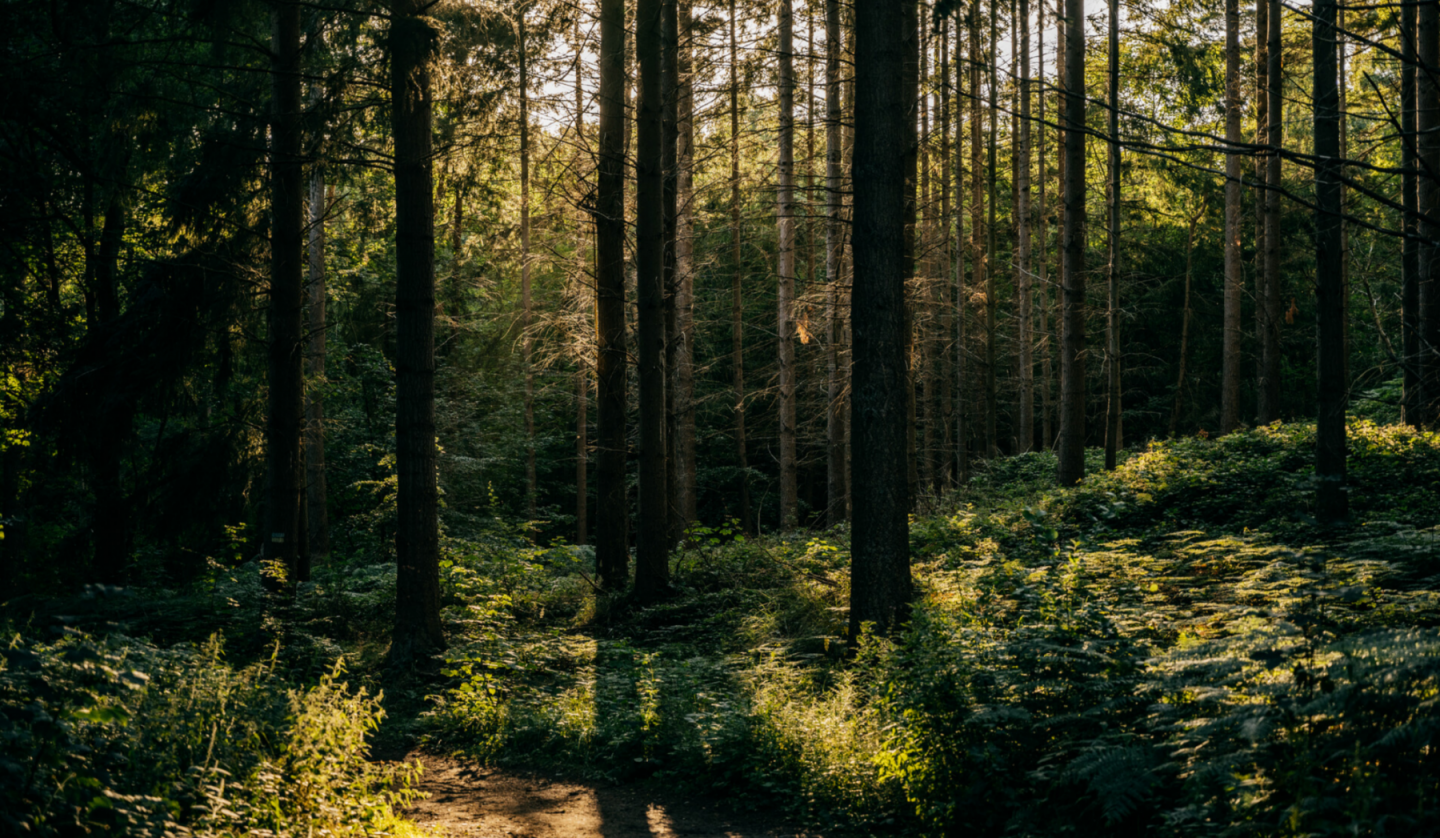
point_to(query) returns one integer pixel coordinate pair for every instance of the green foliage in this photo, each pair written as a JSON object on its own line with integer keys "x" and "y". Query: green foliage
{"x": 1138, "y": 655}
{"x": 119, "y": 736}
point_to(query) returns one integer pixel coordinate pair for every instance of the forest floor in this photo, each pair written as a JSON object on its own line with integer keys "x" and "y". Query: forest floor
{"x": 466, "y": 800}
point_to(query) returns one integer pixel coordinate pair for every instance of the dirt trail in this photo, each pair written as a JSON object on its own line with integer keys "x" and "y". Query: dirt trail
{"x": 466, "y": 801}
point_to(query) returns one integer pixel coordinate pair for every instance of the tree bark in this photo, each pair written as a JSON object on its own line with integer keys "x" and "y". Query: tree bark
{"x": 948, "y": 255}
{"x": 834, "y": 257}
{"x": 287, "y": 264}
{"x": 923, "y": 312}
{"x": 785, "y": 219}
{"x": 880, "y": 586}
{"x": 1428, "y": 128}
{"x": 962, "y": 463}
{"x": 417, "y": 588}
{"x": 1112, "y": 270}
{"x": 1410, "y": 246}
{"x": 1331, "y": 494}
{"x": 979, "y": 257}
{"x": 910, "y": 82}
{"x": 683, "y": 339}
{"x": 612, "y": 520}
{"x": 1047, "y": 346}
{"x": 317, "y": 514}
{"x": 669, "y": 156}
{"x": 582, "y": 373}
{"x": 737, "y": 309}
{"x": 526, "y": 347}
{"x": 1071, "y": 454}
{"x": 1184, "y": 323}
{"x": 1269, "y": 304}
{"x": 1025, "y": 292}
{"x": 1262, "y": 135}
{"x": 1230, "y": 347}
{"x": 992, "y": 254}
{"x": 652, "y": 565}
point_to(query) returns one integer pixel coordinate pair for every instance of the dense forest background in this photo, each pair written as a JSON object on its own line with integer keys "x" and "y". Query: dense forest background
{"x": 136, "y": 274}
{"x": 522, "y": 357}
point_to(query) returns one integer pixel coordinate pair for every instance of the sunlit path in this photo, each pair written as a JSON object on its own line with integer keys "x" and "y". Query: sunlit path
{"x": 468, "y": 801}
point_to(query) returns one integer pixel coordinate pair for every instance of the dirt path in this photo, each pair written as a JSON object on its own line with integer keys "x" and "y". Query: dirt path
{"x": 466, "y": 801}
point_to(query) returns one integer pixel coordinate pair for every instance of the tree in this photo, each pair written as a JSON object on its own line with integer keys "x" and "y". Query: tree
{"x": 527, "y": 360}
{"x": 1071, "y": 454}
{"x": 1047, "y": 346}
{"x": 962, "y": 458}
{"x": 992, "y": 253}
{"x": 910, "y": 81}
{"x": 737, "y": 322}
{"x": 1410, "y": 247}
{"x": 979, "y": 257}
{"x": 652, "y": 565}
{"x": 1230, "y": 360}
{"x": 1024, "y": 292}
{"x": 785, "y": 219}
{"x": 880, "y": 585}
{"x": 1268, "y": 303}
{"x": 834, "y": 256}
{"x": 681, "y": 361}
{"x": 1112, "y": 269}
{"x": 612, "y": 551}
{"x": 287, "y": 245}
{"x": 317, "y": 515}
{"x": 1331, "y": 500}
{"x": 417, "y": 632}
{"x": 1427, "y": 126}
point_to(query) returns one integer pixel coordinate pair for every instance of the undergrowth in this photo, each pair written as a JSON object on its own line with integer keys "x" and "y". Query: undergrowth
{"x": 1176, "y": 648}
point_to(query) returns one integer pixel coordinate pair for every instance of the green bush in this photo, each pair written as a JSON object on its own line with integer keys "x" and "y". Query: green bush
{"x": 118, "y": 736}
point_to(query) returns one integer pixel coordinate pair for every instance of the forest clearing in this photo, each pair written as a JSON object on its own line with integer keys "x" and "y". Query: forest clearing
{"x": 665, "y": 418}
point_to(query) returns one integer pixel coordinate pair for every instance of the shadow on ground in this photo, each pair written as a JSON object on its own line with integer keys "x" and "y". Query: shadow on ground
{"x": 468, "y": 801}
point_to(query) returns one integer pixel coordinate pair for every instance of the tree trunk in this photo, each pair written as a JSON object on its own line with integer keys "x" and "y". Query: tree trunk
{"x": 287, "y": 265}
{"x": 924, "y": 312}
{"x": 1428, "y": 128}
{"x": 834, "y": 257}
{"x": 1026, "y": 431}
{"x": 1270, "y": 303}
{"x": 1330, "y": 495}
{"x": 785, "y": 218}
{"x": 1184, "y": 324}
{"x": 683, "y": 339}
{"x": 1340, "y": 49}
{"x": 948, "y": 255}
{"x": 652, "y": 565}
{"x": 910, "y": 81}
{"x": 582, "y": 373}
{"x": 961, "y": 295}
{"x": 979, "y": 259}
{"x": 737, "y": 309}
{"x": 880, "y": 586}
{"x": 112, "y": 527}
{"x": 1230, "y": 354}
{"x": 1071, "y": 456}
{"x": 417, "y": 587}
{"x": 526, "y": 348}
{"x": 1047, "y": 372}
{"x": 1410, "y": 246}
{"x": 612, "y": 520}
{"x": 669, "y": 155}
{"x": 317, "y": 515}
{"x": 1262, "y": 135}
{"x": 1112, "y": 270}
{"x": 992, "y": 254}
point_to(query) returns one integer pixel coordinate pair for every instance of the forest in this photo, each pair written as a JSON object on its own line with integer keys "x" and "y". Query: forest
{"x": 731, "y": 418}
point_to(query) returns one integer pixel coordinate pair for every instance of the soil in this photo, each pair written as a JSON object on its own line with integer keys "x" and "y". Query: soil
{"x": 469, "y": 801}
